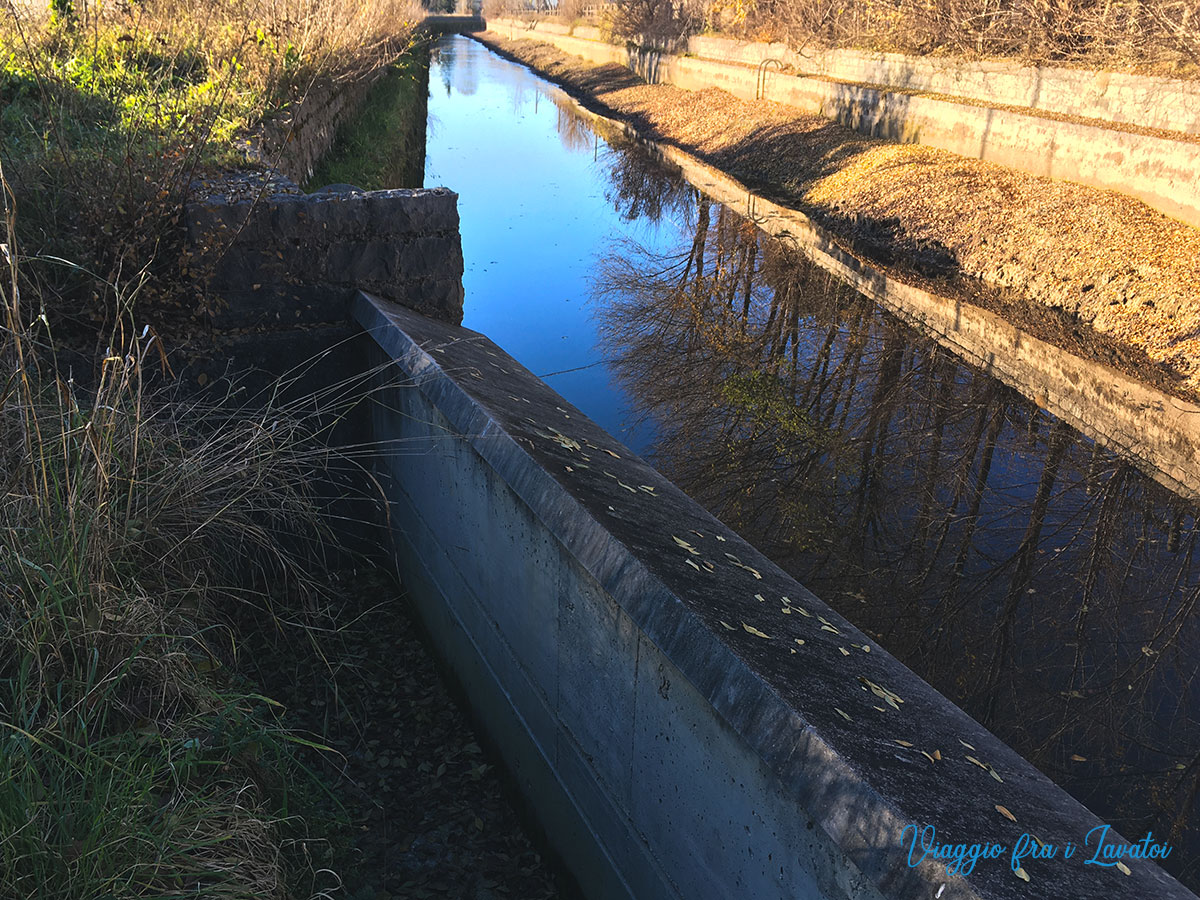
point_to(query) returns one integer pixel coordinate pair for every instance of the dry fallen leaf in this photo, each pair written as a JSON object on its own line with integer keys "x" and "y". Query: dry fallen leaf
{"x": 754, "y": 631}
{"x": 1004, "y": 812}
{"x": 682, "y": 543}
{"x": 1022, "y": 874}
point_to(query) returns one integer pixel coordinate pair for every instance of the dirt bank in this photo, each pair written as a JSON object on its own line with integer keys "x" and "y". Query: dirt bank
{"x": 1108, "y": 277}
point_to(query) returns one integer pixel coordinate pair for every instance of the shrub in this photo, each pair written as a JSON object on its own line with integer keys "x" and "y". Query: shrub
{"x": 1138, "y": 34}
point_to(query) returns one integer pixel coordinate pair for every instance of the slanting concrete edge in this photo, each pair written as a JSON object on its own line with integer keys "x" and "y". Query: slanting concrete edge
{"x": 1158, "y": 171}
{"x": 617, "y": 651}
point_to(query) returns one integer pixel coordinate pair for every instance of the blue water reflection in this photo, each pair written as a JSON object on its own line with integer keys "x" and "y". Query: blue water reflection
{"x": 535, "y": 217}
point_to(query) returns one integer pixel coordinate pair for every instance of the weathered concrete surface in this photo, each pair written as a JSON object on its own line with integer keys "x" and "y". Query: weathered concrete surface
{"x": 293, "y": 260}
{"x": 1169, "y": 104}
{"x": 686, "y": 720}
{"x": 1157, "y": 170}
{"x": 1158, "y": 433}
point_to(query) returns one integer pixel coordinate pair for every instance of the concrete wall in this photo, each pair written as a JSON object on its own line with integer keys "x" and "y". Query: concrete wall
{"x": 1157, "y": 170}
{"x": 453, "y": 23}
{"x": 1149, "y": 101}
{"x": 601, "y": 624}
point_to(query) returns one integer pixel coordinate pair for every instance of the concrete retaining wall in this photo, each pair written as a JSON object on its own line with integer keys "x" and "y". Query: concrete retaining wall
{"x": 1149, "y": 101}
{"x": 1152, "y": 102}
{"x": 1159, "y": 171}
{"x": 453, "y": 24}
{"x": 685, "y": 720}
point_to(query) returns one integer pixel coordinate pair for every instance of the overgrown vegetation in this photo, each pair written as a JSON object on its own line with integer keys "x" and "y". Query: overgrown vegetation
{"x": 112, "y": 112}
{"x": 1161, "y": 36}
{"x": 384, "y": 147}
{"x": 143, "y": 534}
{"x": 140, "y": 538}
{"x": 1147, "y": 34}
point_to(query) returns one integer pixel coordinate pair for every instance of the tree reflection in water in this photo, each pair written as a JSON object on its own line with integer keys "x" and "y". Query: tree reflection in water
{"x": 1035, "y": 578}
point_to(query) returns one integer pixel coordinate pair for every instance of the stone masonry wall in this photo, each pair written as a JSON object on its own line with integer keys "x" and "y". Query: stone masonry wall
{"x": 295, "y": 260}
{"x": 294, "y": 143}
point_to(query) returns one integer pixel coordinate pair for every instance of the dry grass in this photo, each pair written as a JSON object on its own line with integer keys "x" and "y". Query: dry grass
{"x": 139, "y": 532}
{"x": 278, "y": 44}
{"x": 138, "y": 537}
{"x": 1154, "y": 35}
{"x": 1151, "y": 36}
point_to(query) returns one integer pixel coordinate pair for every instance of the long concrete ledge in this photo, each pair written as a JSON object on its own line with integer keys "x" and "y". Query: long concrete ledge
{"x": 685, "y": 719}
{"x": 1168, "y": 104}
{"x": 1157, "y": 170}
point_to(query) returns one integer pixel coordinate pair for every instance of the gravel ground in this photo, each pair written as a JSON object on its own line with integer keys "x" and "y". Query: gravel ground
{"x": 427, "y": 812}
{"x": 1094, "y": 271}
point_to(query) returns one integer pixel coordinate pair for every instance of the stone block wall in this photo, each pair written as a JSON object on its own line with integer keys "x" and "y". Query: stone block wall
{"x": 296, "y": 259}
{"x": 294, "y": 142}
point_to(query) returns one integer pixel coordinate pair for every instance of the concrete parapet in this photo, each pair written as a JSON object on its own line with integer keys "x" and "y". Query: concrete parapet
{"x": 685, "y": 719}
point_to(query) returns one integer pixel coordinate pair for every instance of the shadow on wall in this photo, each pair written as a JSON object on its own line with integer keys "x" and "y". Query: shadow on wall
{"x": 777, "y": 155}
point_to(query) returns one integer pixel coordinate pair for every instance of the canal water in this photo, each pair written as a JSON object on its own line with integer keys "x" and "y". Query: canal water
{"x": 1036, "y": 579}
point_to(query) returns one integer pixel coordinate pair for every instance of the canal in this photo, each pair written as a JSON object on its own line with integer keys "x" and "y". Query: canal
{"x": 1038, "y": 580}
